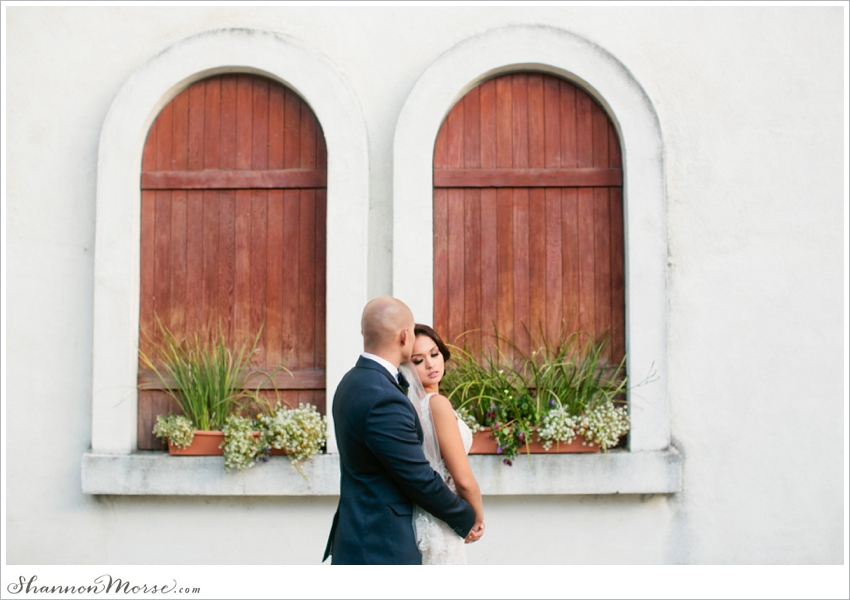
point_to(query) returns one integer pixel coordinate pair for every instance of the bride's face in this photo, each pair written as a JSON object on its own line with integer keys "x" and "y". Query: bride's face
{"x": 428, "y": 361}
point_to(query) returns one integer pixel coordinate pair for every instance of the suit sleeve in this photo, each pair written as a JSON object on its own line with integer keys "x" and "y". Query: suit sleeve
{"x": 391, "y": 436}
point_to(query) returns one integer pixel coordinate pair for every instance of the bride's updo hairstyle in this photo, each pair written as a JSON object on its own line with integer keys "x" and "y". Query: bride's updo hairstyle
{"x": 421, "y": 329}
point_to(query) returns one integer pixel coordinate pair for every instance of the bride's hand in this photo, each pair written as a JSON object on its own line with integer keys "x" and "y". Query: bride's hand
{"x": 475, "y": 533}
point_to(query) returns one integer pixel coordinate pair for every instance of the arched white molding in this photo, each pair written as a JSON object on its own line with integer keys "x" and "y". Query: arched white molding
{"x": 116, "y": 288}
{"x": 550, "y": 50}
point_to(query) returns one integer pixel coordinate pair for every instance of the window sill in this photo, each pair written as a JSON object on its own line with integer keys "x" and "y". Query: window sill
{"x": 157, "y": 473}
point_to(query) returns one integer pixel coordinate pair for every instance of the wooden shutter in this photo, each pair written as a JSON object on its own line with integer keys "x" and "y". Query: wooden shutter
{"x": 528, "y": 214}
{"x": 233, "y": 230}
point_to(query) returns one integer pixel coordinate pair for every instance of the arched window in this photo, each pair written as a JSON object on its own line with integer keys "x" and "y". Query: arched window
{"x": 528, "y": 214}
{"x": 233, "y": 222}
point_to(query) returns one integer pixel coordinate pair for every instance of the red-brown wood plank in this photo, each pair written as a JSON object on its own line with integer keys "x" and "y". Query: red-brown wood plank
{"x": 614, "y": 158}
{"x": 618, "y": 304}
{"x": 522, "y": 308}
{"x": 505, "y": 265}
{"x": 211, "y": 228}
{"x": 554, "y": 264}
{"x": 600, "y": 136}
{"x": 602, "y": 259}
{"x": 259, "y": 216}
{"x": 180, "y": 131}
{"x": 568, "y": 126}
{"x": 259, "y": 276}
{"x": 194, "y": 257}
{"x": 276, "y": 245}
{"x": 235, "y": 180}
{"x": 227, "y": 152}
{"x": 274, "y": 286}
{"x": 489, "y": 264}
{"x": 260, "y": 125}
{"x": 536, "y": 122}
{"x": 570, "y": 248}
{"x": 147, "y": 325}
{"x": 455, "y": 137}
{"x": 291, "y": 235}
{"x": 145, "y": 421}
{"x": 148, "y": 212}
{"x": 441, "y": 232}
{"x": 321, "y": 148}
{"x": 456, "y": 257}
{"x": 196, "y": 129}
{"x": 552, "y": 122}
{"x": 307, "y": 280}
{"x": 587, "y": 263}
{"x": 162, "y": 258}
{"x": 472, "y": 267}
{"x": 441, "y": 260}
{"x": 242, "y": 268}
{"x": 291, "y": 130}
{"x": 519, "y": 105}
{"x": 504, "y": 123}
{"x": 226, "y": 259}
{"x": 177, "y": 293}
{"x": 321, "y": 278}
{"x": 471, "y": 130}
{"x": 308, "y": 138}
{"x": 212, "y": 128}
{"x": 584, "y": 129}
{"x": 244, "y": 121}
{"x": 537, "y": 282}
{"x": 487, "y": 121}
{"x": 164, "y": 138}
{"x": 479, "y": 178}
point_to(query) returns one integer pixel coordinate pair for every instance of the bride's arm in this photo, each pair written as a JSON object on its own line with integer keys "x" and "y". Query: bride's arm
{"x": 454, "y": 454}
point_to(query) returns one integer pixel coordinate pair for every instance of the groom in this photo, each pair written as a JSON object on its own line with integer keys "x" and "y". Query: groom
{"x": 383, "y": 469}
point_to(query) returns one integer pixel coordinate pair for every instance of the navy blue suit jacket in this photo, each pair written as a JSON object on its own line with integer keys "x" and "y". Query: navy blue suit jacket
{"x": 383, "y": 474}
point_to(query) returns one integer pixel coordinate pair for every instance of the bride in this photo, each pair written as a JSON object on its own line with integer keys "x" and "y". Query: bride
{"x": 447, "y": 440}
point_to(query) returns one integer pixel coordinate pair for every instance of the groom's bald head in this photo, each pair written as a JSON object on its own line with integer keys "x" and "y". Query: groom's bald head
{"x": 384, "y": 320}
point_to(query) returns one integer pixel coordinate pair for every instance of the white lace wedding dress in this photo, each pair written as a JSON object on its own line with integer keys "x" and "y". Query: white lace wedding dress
{"x": 438, "y": 542}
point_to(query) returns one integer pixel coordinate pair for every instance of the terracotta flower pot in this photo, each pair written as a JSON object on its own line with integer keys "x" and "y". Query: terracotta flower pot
{"x": 206, "y": 443}
{"x": 483, "y": 442}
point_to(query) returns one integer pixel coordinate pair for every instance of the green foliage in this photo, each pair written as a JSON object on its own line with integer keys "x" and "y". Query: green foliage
{"x": 562, "y": 387}
{"x": 207, "y": 377}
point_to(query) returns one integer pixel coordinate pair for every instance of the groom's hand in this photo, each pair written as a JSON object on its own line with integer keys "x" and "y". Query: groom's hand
{"x": 475, "y": 533}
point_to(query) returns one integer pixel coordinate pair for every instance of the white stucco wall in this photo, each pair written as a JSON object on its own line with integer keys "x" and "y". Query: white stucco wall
{"x": 750, "y": 106}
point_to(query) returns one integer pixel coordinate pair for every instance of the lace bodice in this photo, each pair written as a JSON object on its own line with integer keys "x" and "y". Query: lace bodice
{"x": 437, "y": 542}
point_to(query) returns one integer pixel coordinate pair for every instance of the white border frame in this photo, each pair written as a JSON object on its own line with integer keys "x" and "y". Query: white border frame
{"x": 117, "y": 235}
{"x": 549, "y": 50}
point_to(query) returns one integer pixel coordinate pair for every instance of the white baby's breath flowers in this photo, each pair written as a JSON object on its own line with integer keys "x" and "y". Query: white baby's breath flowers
{"x": 175, "y": 428}
{"x": 558, "y": 426}
{"x": 301, "y": 431}
{"x": 604, "y": 425}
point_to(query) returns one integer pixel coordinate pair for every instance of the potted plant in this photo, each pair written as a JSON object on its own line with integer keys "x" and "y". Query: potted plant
{"x": 560, "y": 397}
{"x": 207, "y": 379}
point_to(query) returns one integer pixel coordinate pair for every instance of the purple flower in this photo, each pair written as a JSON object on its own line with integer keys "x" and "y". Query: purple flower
{"x": 507, "y": 462}
{"x": 551, "y": 403}
{"x": 520, "y": 436}
{"x": 498, "y": 448}
{"x": 492, "y": 407}
{"x": 496, "y": 425}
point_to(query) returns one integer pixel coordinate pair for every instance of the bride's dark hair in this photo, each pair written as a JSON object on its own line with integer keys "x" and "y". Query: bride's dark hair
{"x": 420, "y": 329}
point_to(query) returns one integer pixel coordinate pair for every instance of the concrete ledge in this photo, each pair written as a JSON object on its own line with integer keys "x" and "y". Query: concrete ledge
{"x": 157, "y": 473}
